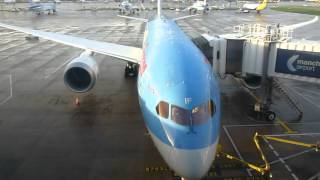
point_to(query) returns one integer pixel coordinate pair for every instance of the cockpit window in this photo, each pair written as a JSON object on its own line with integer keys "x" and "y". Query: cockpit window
{"x": 163, "y": 109}
{"x": 200, "y": 114}
{"x": 180, "y": 115}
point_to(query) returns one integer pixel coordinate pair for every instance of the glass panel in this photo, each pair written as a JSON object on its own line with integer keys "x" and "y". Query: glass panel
{"x": 200, "y": 114}
{"x": 180, "y": 115}
{"x": 163, "y": 109}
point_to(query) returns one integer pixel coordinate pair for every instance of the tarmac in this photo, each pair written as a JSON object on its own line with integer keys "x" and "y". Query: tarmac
{"x": 45, "y": 135}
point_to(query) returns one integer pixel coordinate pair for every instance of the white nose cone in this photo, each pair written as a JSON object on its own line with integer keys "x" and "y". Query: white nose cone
{"x": 189, "y": 164}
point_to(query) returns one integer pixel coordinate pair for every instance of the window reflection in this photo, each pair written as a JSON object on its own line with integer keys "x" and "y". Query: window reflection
{"x": 180, "y": 115}
{"x": 200, "y": 114}
{"x": 163, "y": 109}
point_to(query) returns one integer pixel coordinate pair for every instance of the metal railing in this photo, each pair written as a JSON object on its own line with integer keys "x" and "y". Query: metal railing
{"x": 268, "y": 33}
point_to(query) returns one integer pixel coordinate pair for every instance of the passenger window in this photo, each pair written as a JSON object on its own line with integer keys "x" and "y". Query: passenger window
{"x": 212, "y": 108}
{"x": 180, "y": 115}
{"x": 200, "y": 114}
{"x": 163, "y": 109}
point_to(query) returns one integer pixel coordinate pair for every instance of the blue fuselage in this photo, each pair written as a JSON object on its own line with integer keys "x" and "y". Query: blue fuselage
{"x": 179, "y": 98}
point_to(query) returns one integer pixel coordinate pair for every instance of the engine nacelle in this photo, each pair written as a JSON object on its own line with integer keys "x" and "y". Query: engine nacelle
{"x": 81, "y": 73}
{"x": 252, "y": 81}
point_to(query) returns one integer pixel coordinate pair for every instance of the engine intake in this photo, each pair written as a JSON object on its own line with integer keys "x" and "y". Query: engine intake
{"x": 81, "y": 73}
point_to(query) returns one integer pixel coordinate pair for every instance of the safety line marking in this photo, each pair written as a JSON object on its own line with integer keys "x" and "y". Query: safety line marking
{"x": 285, "y": 126}
{"x": 281, "y": 159}
{"x": 287, "y": 157}
{"x": 235, "y": 147}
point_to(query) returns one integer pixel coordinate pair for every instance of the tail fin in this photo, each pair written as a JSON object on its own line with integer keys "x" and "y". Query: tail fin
{"x": 159, "y": 8}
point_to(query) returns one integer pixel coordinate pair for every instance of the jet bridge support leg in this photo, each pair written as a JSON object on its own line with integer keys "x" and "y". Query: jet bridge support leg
{"x": 264, "y": 112}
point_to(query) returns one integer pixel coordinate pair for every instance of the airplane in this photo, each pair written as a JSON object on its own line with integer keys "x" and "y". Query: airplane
{"x": 178, "y": 92}
{"x": 40, "y": 7}
{"x": 125, "y": 7}
{"x": 246, "y": 8}
{"x": 13, "y": 5}
{"x": 199, "y": 6}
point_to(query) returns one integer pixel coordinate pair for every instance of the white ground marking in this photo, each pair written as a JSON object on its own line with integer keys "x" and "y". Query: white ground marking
{"x": 10, "y": 96}
{"x": 315, "y": 177}
{"x": 287, "y": 157}
{"x": 59, "y": 67}
{"x": 292, "y": 156}
{"x": 275, "y": 135}
{"x": 281, "y": 159}
{"x": 235, "y": 147}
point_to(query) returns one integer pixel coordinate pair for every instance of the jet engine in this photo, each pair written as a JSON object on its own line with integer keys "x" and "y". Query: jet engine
{"x": 81, "y": 73}
{"x": 252, "y": 81}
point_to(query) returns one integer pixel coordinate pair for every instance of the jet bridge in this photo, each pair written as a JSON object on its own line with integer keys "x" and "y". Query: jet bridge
{"x": 256, "y": 54}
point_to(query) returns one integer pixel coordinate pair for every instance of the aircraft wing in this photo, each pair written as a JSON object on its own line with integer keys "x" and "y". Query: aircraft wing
{"x": 127, "y": 53}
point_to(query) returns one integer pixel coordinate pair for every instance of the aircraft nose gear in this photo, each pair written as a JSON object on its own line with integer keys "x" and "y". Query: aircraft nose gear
{"x": 270, "y": 116}
{"x": 131, "y": 70}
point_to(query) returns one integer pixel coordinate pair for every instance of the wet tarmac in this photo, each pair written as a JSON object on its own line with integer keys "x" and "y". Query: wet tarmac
{"x": 45, "y": 135}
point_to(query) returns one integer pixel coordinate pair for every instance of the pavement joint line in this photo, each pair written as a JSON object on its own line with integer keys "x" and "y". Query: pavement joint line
{"x": 19, "y": 43}
{"x": 282, "y": 160}
{"x": 307, "y": 90}
{"x": 306, "y": 99}
{"x": 59, "y": 67}
{"x": 11, "y": 92}
{"x": 235, "y": 147}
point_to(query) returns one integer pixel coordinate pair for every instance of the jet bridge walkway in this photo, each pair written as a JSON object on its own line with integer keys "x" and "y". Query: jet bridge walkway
{"x": 259, "y": 54}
